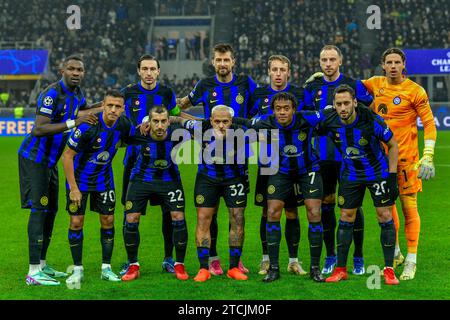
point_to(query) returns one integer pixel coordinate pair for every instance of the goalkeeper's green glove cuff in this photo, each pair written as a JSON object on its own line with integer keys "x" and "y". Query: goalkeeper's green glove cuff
{"x": 425, "y": 164}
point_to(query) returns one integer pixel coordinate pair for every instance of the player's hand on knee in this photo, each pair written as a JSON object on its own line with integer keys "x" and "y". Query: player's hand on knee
{"x": 75, "y": 196}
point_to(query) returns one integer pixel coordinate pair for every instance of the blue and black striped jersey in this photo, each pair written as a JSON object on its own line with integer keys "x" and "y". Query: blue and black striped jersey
{"x": 235, "y": 94}
{"x": 261, "y": 98}
{"x": 138, "y": 102}
{"x": 364, "y": 157}
{"x": 319, "y": 94}
{"x": 96, "y": 147}
{"x": 296, "y": 154}
{"x": 218, "y": 159}
{"x": 59, "y": 104}
{"x": 154, "y": 162}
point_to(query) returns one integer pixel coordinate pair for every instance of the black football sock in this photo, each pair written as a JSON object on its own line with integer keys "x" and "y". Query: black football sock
{"x": 315, "y": 236}
{"x": 213, "y": 229}
{"x": 107, "y": 241}
{"x": 263, "y": 234}
{"x": 132, "y": 240}
{"x": 76, "y": 246}
{"x": 180, "y": 238}
{"x": 387, "y": 239}
{"x": 47, "y": 233}
{"x": 203, "y": 257}
{"x": 36, "y": 223}
{"x": 235, "y": 256}
{"x": 344, "y": 240}
{"x": 292, "y": 235}
{"x": 358, "y": 233}
{"x": 167, "y": 231}
{"x": 329, "y": 228}
{"x": 273, "y": 242}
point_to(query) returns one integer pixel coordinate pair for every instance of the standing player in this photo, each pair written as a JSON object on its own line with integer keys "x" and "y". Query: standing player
{"x": 57, "y": 109}
{"x": 224, "y": 88}
{"x": 279, "y": 69}
{"x": 298, "y": 170}
{"x": 87, "y": 165}
{"x": 217, "y": 177}
{"x": 139, "y": 99}
{"x": 155, "y": 178}
{"x": 358, "y": 133}
{"x": 400, "y": 101}
{"x": 319, "y": 93}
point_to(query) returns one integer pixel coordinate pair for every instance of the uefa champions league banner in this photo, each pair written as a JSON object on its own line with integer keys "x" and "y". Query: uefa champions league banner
{"x": 433, "y": 61}
{"x": 23, "y": 62}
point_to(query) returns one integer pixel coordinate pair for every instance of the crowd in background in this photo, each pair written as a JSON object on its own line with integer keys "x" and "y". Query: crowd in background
{"x": 114, "y": 33}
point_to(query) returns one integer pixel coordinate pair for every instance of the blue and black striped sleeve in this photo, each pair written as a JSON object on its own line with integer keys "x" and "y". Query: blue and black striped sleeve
{"x": 80, "y": 138}
{"x": 196, "y": 95}
{"x": 381, "y": 130}
{"x": 362, "y": 94}
{"x": 47, "y": 103}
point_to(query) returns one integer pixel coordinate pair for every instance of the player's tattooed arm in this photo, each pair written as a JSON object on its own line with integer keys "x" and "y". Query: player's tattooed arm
{"x": 92, "y": 109}
{"x": 187, "y": 116}
{"x": 44, "y": 127}
{"x": 184, "y": 103}
{"x": 67, "y": 161}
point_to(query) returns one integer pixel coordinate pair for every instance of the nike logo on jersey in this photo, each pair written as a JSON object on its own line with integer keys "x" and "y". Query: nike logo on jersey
{"x": 384, "y": 201}
{"x": 239, "y": 202}
{"x": 111, "y": 209}
{"x": 312, "y": 191}
{"x": 213, "y": 101}
{"x": 179, "y": 207}
{"x": 135, "y": 110}
{"x": 264, "y": 107}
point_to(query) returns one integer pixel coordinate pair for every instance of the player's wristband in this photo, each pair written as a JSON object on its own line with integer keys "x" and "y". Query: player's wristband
{"x": 429, "y": 148}
{"x": 175, "y": 111}
{"x": 70, "y": 124}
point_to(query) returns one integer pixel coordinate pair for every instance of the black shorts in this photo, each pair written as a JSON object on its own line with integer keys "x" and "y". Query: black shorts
{"x": 330, "y": 171}
{"x": 101, "y": 202}
{"x": 351, "y": 194}
{"x": 207, "y": 192}
{"x": 295, "y": 199}
{"x": 168, "y": 194}
{"x": 39, "y": 186}
{"x": 309, "y": 185}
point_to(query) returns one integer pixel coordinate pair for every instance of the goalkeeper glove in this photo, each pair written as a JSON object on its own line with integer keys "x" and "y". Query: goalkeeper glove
{"x": 313, "y": 77}
{"x": 393, "y": 185}
{"x": 425, "y": 164}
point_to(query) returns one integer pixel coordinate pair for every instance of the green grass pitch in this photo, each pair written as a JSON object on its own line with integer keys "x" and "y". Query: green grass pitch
{"x": 432, "y": 278}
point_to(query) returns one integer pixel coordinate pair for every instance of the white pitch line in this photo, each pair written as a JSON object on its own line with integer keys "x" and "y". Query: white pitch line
{"x": 442, "y": 165}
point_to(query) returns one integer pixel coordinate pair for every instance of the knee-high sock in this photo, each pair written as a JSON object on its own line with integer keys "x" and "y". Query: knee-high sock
{"x": 412, "y": 228}
{"x": 344, "y": 240}
{"x": 132, "y": 240}
{"x": 36, "y": 223}
{"x": 273, "y": 242}
{"x": 107, "y": 241}
{"x": 329, "y": 228}
{"x": 235, "y": 256}
{"x": 180, "y": 238}
{"x": 396, "y": 222}
{"x": 203, "y": 257}
{"x": 292, "y": 235}
{"x": 263, "y": 235}
{"x": 214, "y": 230}
{"x": 315, "y": 237}
{"x": 387, "y": 239}
{"x": 167, "y": 231}
{"x": 47, "y": 232}
{"x": 76, "y": 246}
{"x": 358, "y": 233}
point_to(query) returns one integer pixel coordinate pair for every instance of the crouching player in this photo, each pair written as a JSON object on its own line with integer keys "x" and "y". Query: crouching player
{"x": 155, "y": 178}
{"x": 358, "y": 132}
{"x": 87, "y": 166}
